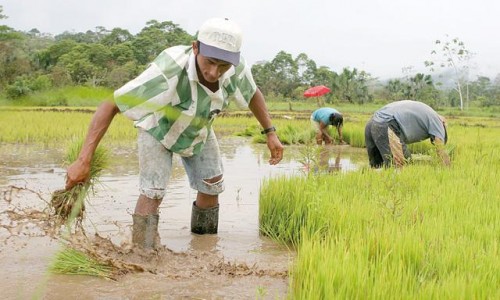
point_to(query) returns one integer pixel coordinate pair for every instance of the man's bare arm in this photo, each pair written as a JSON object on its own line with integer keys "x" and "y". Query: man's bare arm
{"x": 258, "y": 107}
{"x": 79, "y": 170}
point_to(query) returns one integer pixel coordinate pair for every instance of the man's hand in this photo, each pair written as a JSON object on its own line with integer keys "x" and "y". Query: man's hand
{"x": 258, "y": 107}
{"x": 441, "y": 151}
{"x": 327, "y": 139}
{"x": 77, "y": 172}
{"x": 276, "y": 148}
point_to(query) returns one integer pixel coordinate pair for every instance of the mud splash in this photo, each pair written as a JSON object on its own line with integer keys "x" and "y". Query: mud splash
{"x": 124, "y": 260}
{"x": 237, "y": 263}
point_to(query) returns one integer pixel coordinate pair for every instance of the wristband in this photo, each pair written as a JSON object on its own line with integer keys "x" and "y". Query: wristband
{"x": 267, "y": 130}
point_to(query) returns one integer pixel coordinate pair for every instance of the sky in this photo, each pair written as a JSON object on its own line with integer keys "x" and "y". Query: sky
{"x": 380, "y": 37}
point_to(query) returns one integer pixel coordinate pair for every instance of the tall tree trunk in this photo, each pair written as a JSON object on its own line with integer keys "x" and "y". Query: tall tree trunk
{"x": 459, "y": 90}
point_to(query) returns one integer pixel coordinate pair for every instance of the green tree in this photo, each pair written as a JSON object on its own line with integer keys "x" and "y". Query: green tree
{"x": 278, "y": 77}
{"x": 306, "y": 69}
{"x": 262, "y": 72}
{"x": 484, "y": 92}
{"x": 396, "y": 89}
{"x": 88, "y": 37}
{"x": 418, "y": 85}
{"x": 7, "y": 33}
{"x": 87, "y": 63}
{"x": 285, "y": 74}
{"x": 353, "y": 86}
{"x": 452, "y": 53}
{"x": 49, "y": 57}
{"x": 117, "y": 36}
{"x": 157, "y": 36}
{"x": 324, "y": 76}
{"x": 122, "y": 53}
{"x": 14, "y": 61}
{"x": 2, "y": 16}
{"x": 119, "y": 75}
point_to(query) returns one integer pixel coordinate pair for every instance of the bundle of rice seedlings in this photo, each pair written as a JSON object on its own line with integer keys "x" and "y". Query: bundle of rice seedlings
{"x": 70, "y": 204}
{"x": 74, "y": 262}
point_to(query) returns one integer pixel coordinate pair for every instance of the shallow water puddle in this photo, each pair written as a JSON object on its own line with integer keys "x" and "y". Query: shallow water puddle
{"x": 237, "y": 263}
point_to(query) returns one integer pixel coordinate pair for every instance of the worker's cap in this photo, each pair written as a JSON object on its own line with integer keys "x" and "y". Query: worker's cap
{"x": 220, "y": 38}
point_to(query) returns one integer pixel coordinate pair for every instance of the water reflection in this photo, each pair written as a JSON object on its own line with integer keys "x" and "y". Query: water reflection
{"x": 245, "y": 164}
{"x": 40, "y": 169}
{"x": 338, "y": 159}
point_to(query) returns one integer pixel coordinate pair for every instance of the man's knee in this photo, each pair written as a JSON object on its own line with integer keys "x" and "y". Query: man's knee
{"x": 213, "y": 186}
{"x": 213, "y": 179}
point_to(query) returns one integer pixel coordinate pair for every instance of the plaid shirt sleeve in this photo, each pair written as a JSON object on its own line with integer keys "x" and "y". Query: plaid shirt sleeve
{"x": 244, "y": 83}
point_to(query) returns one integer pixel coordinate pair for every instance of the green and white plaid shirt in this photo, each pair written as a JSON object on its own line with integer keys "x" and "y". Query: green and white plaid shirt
{"x": 168, "y": 101}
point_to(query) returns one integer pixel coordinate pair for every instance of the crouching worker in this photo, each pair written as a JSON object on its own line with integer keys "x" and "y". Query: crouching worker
{"x": 173, "y": 104}
{"x": 321, "y": 119}
{"x": 400, "y": 123}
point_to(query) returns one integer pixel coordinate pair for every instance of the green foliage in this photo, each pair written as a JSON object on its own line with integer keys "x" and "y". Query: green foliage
{"x": 157, "y": 36}
{"x": 291, "y": 77}
{"x": 40, "y": 126}
{"x": 69, "y": 204}
{"x": 353, "y": 86}
{"x": 354, "y": 134}
{"x": 280, "y": 76}
{"x": 251, "y": 130}
{"x": 70, "y": 261}
{"x": 19, "y": 88}
{"x": 2, "y": 16}
{"x": 291, "y": 134}
{"x": 451, "y": 53}
{"x": 25, "y": 85}
{"x": 74, "y": 96}
{"x": 375, "y": 234}
{"x": 110, "y": 58}
{"x": 14, "y": 61}
{"x": 116, "y": 37}
{"x": 94, "y": 58}
{"x": 49, "y": 57}
{"x": 86, "y": 63}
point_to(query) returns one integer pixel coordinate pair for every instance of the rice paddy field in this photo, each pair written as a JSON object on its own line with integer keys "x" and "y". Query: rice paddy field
{"x": 424, "y": 231}
{"x": 421, "y": 232}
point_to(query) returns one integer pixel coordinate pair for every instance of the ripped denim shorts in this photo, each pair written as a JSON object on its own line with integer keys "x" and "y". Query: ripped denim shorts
{"x": 155, "y": 167}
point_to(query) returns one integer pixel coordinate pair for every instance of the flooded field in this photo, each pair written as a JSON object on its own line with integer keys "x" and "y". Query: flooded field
{"x": 237, "y": 263}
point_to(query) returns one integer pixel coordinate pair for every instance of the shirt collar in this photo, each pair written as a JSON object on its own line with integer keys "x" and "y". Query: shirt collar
{"x": 191, "y": 67}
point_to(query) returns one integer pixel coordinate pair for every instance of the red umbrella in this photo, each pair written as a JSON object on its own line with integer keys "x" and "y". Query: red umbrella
{"x": 316, "y": 91}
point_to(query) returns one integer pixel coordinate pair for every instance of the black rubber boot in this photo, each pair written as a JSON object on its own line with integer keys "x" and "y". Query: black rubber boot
{"x": 204, "y": 220}
{"x": 145, "y": 231}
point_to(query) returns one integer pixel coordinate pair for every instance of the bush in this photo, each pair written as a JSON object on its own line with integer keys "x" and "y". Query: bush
{"x": 42, "y": 82}
{"x": 19, "y": 88}
{"x": 25, "y": 85}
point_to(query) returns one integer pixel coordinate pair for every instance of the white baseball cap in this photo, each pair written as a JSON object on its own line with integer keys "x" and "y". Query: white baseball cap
{"x": 220, "y": 38}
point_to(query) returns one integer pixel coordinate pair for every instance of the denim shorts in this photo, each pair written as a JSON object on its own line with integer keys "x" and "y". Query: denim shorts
{"x": 155, "y": 167}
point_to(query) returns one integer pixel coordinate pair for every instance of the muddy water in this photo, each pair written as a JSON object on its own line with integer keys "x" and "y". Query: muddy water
{"x": 237, "y": 263}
